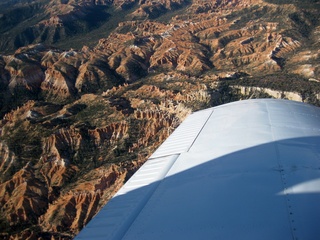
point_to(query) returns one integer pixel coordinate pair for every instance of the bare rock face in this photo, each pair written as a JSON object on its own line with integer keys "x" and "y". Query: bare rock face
{"x": 110, "y": 133}
{"x": 57, "y": 75}
{"x": 204, "y": 41}
{"x": 30, "y": 78}
{"x": 152, "y": 9}
{"x": 23, "y": 198}
{"x": 59, "y": 80}
{"x": 196, "y": 43}
{"x": 128, "y": 61}
{"x": 56, "y": 154}
{"x": 95, "y": 75}
{"x": 7, "y": 158}
{"x": 265, "y": 56}
{"x": 58, "y": 20}
{"x": 76, "y": 124}
{"x": 307, "y": 64}
{"x": 23, "y": 75}
{"x": 220, "y": 6}
{"x": 77, "y": 206}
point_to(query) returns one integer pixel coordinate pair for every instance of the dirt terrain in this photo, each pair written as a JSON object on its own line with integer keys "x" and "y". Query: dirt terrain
{"x": 76, "y": 123}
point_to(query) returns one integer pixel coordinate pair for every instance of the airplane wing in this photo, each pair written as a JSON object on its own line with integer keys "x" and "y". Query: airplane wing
{"x": 243, "y": 170}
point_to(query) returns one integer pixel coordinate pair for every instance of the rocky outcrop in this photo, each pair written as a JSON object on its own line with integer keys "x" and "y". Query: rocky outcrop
{"x": 29, "y": 77}
{"x": 50, "y": 58}
{"x": 250, "y": 91}
{"x": 305, "y": 64}
{"x": 59, "y": 81}
{"x": 240, "y": 49}
{"x": 193, "y": 46}
{"x": 74, "y": 208}
{"x": 6, "y": 160}
{"x": 94, "y": 76}
{"x": 151, "y": 9}
{"x": 76, "y": 124}
{"x": 57, "y": 75}
{"x": 110, "y": 134}
{"x": 218, "y": 6}
{"x": 23, "y": 198}
{"x": 22, "y": 75}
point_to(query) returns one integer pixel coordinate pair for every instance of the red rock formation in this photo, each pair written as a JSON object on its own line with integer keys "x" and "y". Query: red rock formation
{"x": 152, "y": 9}
{"x": 23, "y": 74}
{"x": 60, "y": 80}
{"x": 7, "y": 157}
{"x": 50, "y": 58}
{"x": 132, "y": 89}
{"x": 109, "y": 134}
{"x": 63, "y": 139}
{"x": 94, "y": 76}
{"x": 78, "y": 205}
{"x": 22, "y": 198}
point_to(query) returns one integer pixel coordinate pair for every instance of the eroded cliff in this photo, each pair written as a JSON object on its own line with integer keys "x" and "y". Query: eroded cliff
{"x": 76, "y": 124}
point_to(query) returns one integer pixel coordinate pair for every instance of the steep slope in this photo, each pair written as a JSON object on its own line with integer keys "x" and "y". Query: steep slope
{"x": 75, "y": 124}
{"x": 55, "y": 22}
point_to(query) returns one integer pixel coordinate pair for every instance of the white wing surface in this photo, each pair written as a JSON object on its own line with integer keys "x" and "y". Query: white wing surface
{"x": 244, "y": 170}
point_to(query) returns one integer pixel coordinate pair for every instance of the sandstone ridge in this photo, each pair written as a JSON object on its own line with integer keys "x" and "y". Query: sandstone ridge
{"x": 76, "y": 123}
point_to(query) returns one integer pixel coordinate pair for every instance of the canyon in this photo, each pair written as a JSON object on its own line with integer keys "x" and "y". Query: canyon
{"x": 90, "y": 89}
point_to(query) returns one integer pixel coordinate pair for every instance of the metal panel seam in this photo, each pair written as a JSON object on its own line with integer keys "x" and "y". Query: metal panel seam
{"x": 205, "y": 123}
{"x": 143, "y": 204}
{"x": 281, "y": 173}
